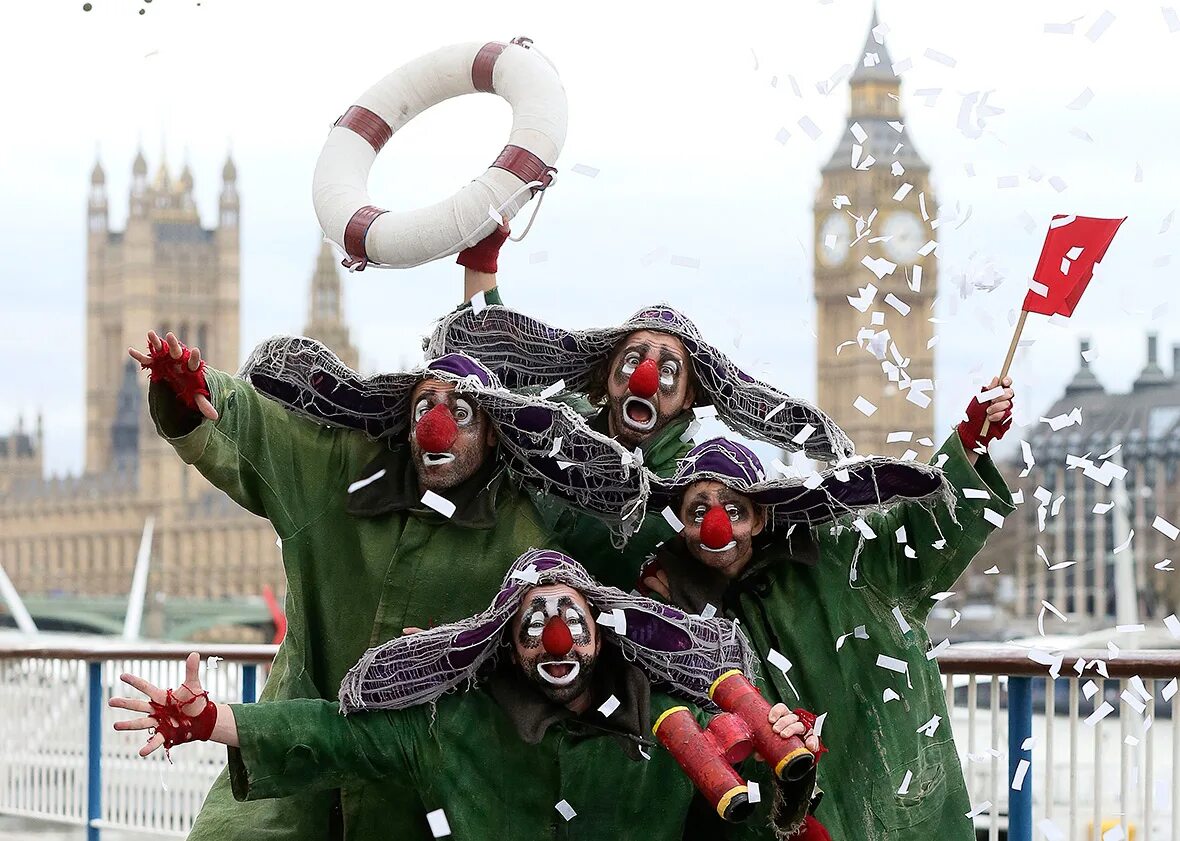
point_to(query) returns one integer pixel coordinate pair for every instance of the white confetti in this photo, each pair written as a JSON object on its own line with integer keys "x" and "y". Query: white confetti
{"x": 1090, "y": 689}
{"x": 942, "y": 597}
{"x": 1171, "y": 19}
{"x": 931, "y": 726}
{"x": 673, "y": 520}
{"x": 565, "y": 810}
{"x": 941, "y": 58}
{"x": 803, "y": 434}
{"x": 893, "y": 664}
{"x": 478, "y": 302}
{"x": 439, "y": 827}
{"x": 902, "y": 192}
{"x": 1081, "y": 100}
{"x": 1021, "y": 771}
{"x": 1173, "y": 625}
{"x": 1169, "y": 690}
{"x": 528, "y": 575}
{"x": 1122, "y": 547}
{"x": 556, "y": 388}
{"x": 685, "y": 262}
{"x": 980, "y": 809}
{"x": 583, "y": 169}
{"x": 1102, "y": 712}
{"x": 361, "y": 483}
{"x": 878, "y": 266}
{"x": 901, "y": 622}
{"x": 1006, "y": 181}
{"x": 864, "y": 407}
{"x": 753, "y": 792}
{"x": 439, "y": 503}
{"x": 898, "y": 304}
{"x": 782, "y": 136}
{"x": 1165, "y": 528}
{"x": 992, "y": 517}
{"x": 889, "y": 695}
{"x": 1099, "y": 26}
{"x": 864, "y": 528}
{"x": 1051, "y": 831}
{"x": 609, "y": 706}
{"x": 992, "y": 570}
{"x": 538, "y": 257}
{"x": 905, "y": 783}
{"x": 898, "y": 438}
{"x": 779, "y": 661}
{"x": 809, "y": 127}
{"x": 928, "y": 249}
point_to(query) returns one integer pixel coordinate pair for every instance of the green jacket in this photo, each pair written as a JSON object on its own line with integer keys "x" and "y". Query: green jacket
{"x": 497, "y": 760}
{"x": 360, "y": 567}
{"x": 800, "y": 609}
{"x": 590, "y": 539}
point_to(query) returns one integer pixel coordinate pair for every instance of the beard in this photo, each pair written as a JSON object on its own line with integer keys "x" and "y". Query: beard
{"x": 729, "y": 562}
{"x": 545, "y": 669}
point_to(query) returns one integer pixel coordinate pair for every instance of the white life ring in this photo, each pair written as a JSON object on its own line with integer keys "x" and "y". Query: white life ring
{"x": 369, "y": 234}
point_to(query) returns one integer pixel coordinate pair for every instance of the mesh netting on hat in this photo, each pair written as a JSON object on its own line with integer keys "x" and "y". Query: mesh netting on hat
{"x": 681, "y": 652}
{"x": 524, "y": 352}
{"x": 545, "y": 444}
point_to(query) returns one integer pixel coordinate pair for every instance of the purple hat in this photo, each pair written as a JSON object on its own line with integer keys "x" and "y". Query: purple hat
{"x": 546, "y": 444}
{"x": 682, "y": 652}
{"x": 849, "y": 488}
{"x": 523, "y": 352}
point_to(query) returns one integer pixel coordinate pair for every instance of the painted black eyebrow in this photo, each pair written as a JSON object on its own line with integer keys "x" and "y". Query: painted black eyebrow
{"x": 642, "y": 347}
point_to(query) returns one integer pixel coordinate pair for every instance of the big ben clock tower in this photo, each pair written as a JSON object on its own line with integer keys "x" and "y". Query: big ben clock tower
{"x": 873, "y": 216}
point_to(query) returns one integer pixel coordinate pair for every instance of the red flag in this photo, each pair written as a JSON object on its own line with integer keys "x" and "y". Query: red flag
{"x": 1073, "y": 246}
{"x": 276, "y": 614}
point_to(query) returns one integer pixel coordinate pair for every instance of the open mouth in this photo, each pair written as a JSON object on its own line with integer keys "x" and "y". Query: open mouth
{"x": 559, "y": 672}
{"x": 435, "y": 459}
{"x": 724, "y": 548}
{"x": 639, "y": 413}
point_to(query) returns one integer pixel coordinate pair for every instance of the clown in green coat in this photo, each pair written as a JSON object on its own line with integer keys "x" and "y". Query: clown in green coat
{"x": 838, "y": 613}
{"x": 397, "y": 502}
{"x": 554, "y": 743}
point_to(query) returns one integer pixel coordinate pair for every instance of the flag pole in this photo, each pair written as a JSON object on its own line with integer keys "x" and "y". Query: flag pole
{"x": 1008, "y": 361}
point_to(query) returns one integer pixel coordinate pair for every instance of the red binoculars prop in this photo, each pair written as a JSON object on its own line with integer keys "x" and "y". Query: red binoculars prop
{"x": 708, "y": 755}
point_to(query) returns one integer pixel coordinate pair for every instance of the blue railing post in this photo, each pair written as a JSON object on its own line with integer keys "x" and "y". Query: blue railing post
{"x": 94, "y": 751}
{"x": 249, "y": 683}
{"x": 1019, "y": 729}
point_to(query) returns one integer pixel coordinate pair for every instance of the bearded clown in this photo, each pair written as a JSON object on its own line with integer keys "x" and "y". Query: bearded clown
{"x": 398, "y": 499}
{"x": 541, "y": 702}
{"x": 831, "y": 573}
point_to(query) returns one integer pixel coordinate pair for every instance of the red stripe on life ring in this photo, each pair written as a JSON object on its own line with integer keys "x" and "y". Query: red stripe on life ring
{"x": 524, "y": 165}
{"x": 485, "y": 62}
{"x": 357, "y": 228}
{"x": 374, "y": 130}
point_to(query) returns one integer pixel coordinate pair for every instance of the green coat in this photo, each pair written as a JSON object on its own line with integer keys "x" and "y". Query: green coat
{"x": 360, "y": 567}
{"x": 496, "y": 761}
{"x": 590, "y": 539}
{"x": 800, "y": 610}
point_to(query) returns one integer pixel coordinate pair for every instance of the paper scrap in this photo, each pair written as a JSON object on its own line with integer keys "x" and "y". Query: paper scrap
{"x": 556, "y": 388}
{"x": 439, "y": 827}
{"x": 901, "y": 622}
{"x": 565, "y": 810}
{"x": 673, "y": 520}
{"x": 1102, "y": 712}
{"x": 1021, "y": 771}
{"x": 864, "y": 406}
{"x": 992, "y": 517}
{"x": 361, "y": 483}
{"x": 889, "y": 695}
{"x": 753, "y": 792}
{"x": 980, "y": 809}
{"x": 905, "y": 783}
{"x": 439, "y": 503}
{"x": 609, "y": 706}
{"x": 803, "y": 434}
{"x": 1165, "y": 528}
{"x": 1173, "y": 625}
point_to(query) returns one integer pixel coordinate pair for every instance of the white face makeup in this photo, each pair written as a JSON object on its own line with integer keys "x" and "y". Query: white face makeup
{"x": 556, "y": 643}
{"x": 634, "y": 417}
{"x": 745, "y": 519}
{"x": 441, "y": 466}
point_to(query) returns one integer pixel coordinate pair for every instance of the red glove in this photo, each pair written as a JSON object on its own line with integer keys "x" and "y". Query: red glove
{"x": 175, "y": 372}
{"x": 483, "y": 256}
{"x": 970, "y": 429}
{"x": 176, "y": 727}
{"x": 808, "y": 720}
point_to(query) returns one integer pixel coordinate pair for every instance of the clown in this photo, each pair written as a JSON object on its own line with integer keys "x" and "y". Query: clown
{"x": 643, "y": 380}
{"x": 397, "y": 502}
{"x": 832, "y": 600}
{"x": 560, "y": 720}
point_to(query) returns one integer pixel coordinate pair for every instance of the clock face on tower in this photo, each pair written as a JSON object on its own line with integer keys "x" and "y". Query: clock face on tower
{"x": 835, "y": 238}
{"x": 906, "y": 236}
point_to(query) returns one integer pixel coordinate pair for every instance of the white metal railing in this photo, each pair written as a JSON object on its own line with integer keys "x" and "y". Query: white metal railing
{"x": 60, "y": 759}
{"x": 53, "y": 714}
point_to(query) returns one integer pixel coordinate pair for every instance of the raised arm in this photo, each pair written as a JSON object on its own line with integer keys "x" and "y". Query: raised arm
{"x": 282, "y": 747}
{"x": 939, "y": 539}
{"x": 480, "y": 263}
{"x": 267, "y": 459}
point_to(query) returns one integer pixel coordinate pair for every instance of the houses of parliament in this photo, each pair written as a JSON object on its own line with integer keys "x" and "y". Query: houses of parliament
{"x": 79, "y": 536}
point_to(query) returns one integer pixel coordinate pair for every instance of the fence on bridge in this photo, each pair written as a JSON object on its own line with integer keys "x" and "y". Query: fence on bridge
{"x": 1027, "y": 742}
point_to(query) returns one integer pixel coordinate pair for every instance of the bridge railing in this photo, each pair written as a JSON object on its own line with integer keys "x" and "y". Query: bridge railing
{"x": 61, "y": 760}
{"x": 1030, "y": 746}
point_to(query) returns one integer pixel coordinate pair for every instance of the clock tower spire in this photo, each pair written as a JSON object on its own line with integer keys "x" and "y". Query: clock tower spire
{"x": 874, "y": 217}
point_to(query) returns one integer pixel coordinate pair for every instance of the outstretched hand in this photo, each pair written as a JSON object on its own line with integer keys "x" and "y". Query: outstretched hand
{"x": 176, "y": 716}
{"x": 997, "y": 413}
{"x": 181, "y": 367}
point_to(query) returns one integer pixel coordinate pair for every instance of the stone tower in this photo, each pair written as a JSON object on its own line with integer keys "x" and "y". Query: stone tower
{"x": 874, "y": 221}
{"x": 163, "y": 271}
{"x": 325, "y": 320}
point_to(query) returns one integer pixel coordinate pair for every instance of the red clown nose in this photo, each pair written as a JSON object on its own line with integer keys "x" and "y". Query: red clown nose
{"x": 645, "y": 379}
{"x": 556, "y": 637}
{"x": 716, "y": 531}
{"x": 437, "y": 430}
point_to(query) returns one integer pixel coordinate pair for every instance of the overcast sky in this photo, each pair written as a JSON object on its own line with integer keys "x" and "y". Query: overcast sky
{"x": 678, "y": 110}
